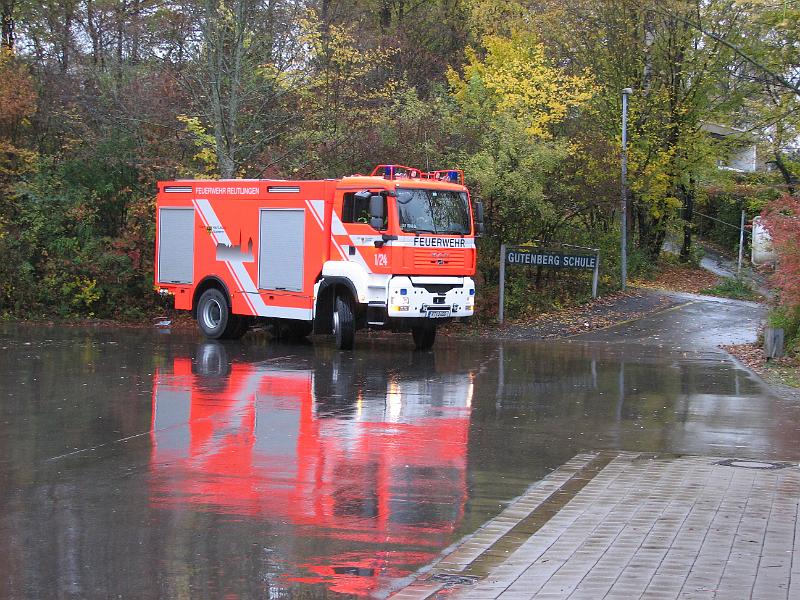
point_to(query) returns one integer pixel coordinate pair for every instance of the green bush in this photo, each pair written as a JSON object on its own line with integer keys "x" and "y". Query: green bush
{"x": 696, "y": 254}
{"x": 787, "y": 319}
{"x": 69, "y": 254}
{"x": 641, "y": 265}
{"x": 733, "y": 287}
{"x": 727, "y": 205}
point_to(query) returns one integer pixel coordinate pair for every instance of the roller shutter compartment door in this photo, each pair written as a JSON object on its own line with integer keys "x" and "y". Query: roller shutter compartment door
{"x": 176, "y": 245}
{"x": 281, "y": 249}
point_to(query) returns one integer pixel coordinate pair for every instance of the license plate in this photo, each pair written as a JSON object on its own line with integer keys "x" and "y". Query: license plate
{"x": 438, "y": 314}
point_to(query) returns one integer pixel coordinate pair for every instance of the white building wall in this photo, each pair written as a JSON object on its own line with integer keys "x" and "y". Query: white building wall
{"x": 743, "y": 159}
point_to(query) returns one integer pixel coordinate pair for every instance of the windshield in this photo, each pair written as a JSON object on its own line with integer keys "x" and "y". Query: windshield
{"x": 433, "y": 211}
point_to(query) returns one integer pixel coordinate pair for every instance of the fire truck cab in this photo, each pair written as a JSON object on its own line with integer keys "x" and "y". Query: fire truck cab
{"x": 393, "y": 250}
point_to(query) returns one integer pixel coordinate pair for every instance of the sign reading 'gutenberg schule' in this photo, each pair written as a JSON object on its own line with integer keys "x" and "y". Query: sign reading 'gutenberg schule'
{"x": 540, "y": 257}
{"x": 587, "y": 259}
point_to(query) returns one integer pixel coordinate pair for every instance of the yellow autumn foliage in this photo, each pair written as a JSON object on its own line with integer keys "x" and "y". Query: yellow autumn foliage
{"x": 206, "y": 156}
{"x": 496, "y": 17}
{"x": 337, "y": 84}
{"x": 517, "y": 79}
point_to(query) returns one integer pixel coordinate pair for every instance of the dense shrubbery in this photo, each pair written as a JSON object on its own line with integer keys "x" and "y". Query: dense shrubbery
{"x": 726, "y": 204}
{"x": 80, "y": 243}
{"x": 782, "y": 220}
{"x": 788, "y": 319}
{"x": 733, "y": 287}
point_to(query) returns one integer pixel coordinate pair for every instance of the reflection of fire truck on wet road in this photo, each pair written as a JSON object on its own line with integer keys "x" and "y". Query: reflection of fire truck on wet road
{"x": 373, "y": 467}
{"x": 393, "y": 250}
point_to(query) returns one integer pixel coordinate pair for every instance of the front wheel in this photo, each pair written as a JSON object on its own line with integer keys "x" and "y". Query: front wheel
{"x": 344, "y": 325}
{"x": 424, "y": 336}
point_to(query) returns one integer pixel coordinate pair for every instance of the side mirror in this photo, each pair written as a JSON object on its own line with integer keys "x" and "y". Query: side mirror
{"x": 376, "y": 212}
{"x": 479, "y": 228}
{"x": 479, "y": 212}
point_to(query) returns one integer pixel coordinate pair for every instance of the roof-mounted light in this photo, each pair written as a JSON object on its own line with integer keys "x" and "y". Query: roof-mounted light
{"x": 394, "y": 172}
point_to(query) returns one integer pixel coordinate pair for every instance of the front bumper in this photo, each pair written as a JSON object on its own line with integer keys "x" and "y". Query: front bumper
{"x": 430, "y": 297}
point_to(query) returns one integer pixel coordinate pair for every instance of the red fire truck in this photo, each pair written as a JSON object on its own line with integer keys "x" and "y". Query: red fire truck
{"x": 393, "y": 250}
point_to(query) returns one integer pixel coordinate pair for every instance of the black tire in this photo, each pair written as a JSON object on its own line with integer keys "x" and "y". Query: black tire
{"x": 424, "y": 336}
{"x": 344, "y": 325}
{"x": 214, "y": 316}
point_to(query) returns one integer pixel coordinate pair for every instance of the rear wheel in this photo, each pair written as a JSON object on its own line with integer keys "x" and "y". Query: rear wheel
{"x": 215, "y": 319}
{"x": 344, "y": 325}
{"x": 424, "y": 335}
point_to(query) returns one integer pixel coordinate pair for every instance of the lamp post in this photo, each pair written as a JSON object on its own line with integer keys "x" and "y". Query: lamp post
{"x": 623, "y": 189}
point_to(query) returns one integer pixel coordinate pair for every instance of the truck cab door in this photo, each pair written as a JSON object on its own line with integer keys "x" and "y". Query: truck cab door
{"x": 363, "y": 240}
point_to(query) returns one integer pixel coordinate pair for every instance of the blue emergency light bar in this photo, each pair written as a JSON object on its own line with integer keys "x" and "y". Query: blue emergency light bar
{"x": 392, "y": 172}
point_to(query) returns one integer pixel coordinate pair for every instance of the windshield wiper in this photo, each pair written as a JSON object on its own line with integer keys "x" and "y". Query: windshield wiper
{"x": 418, "y": 231}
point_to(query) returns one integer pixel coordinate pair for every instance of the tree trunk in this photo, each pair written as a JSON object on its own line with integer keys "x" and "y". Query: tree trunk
{"x": 135, "y": 30}
{"x": 7, "y": 13}
{"x": 688, "y": 196}
{"x": 643, "y": 226}
{"x": 651, "y": 234}
{"x": 66, "y": 35}
{"x": 91, "y": 26}
{"x": 386, "y": 14}
{"x": 632, "y": 211}
{"x": 636, "y": 217}
{"x": 222, "y": 137}
{"x": 649, "y": 38}
{"x": 785, "y": 172}
{"x": 225, "y": 43}
{"x": 676, "y": 129}
{"x": 122, "y": 12}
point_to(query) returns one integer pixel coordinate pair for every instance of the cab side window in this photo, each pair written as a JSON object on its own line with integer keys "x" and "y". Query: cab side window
{"x": 357, "y": 211}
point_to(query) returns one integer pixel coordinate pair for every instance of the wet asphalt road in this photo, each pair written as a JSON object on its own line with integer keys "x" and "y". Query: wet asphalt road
{"x": 143, "y": 465}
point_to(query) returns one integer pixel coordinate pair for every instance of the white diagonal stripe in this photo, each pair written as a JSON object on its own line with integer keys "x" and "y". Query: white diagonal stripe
{"x": 210, "y": 217}
{"x": 318, "y": 207}
{"x": 242, "y": 276}
{"x": 313, "y": 212}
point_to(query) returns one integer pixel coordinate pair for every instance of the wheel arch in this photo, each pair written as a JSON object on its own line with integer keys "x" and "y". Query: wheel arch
{"x": 329, "y": 288}
{"x": 211, "y": 281}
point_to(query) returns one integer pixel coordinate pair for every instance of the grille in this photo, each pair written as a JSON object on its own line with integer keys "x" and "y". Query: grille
{"x": 424, "y": 259}
{"x": 437, "y": 288}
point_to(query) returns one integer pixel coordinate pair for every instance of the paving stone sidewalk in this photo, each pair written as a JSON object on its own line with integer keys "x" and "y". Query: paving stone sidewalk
{"x": 629, "y": 525}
